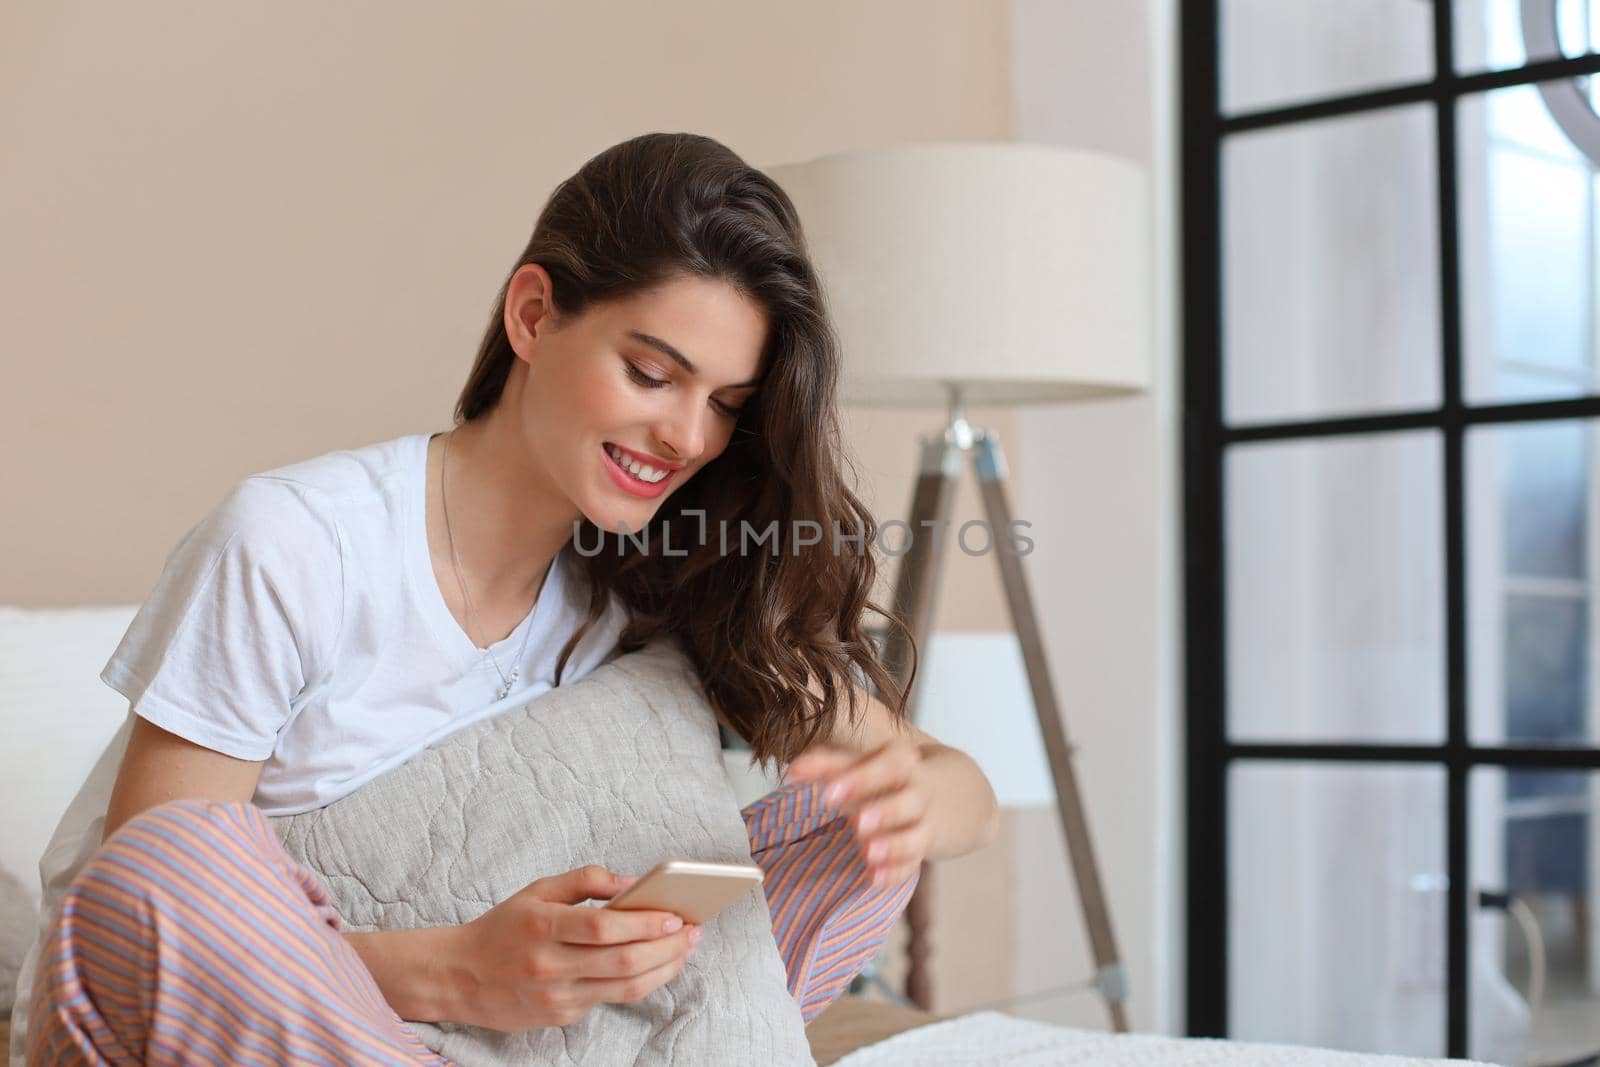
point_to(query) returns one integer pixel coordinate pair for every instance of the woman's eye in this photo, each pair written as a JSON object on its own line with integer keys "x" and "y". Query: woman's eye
{"x": 642, "y": 378}
{"x": 656, "y": 383}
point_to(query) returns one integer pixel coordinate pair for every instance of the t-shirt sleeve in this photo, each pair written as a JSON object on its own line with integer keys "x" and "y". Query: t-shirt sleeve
{"x": 241, "y": 623}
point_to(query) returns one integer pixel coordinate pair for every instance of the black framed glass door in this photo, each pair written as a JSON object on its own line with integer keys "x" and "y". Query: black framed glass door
{"x": 1391, "y": 266}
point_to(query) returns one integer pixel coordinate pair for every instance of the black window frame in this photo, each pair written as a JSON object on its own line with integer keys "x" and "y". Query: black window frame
{"x": 1207, "y": 437}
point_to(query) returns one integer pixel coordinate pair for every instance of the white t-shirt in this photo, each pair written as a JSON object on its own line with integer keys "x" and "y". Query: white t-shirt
{"x": 300, "y": 623}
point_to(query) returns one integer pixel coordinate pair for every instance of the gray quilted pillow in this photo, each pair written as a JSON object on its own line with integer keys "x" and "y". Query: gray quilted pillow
{"x": 622, "y": 768}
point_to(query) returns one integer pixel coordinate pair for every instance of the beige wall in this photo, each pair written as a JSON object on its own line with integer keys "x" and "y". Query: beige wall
{"x": 241, "y": 235}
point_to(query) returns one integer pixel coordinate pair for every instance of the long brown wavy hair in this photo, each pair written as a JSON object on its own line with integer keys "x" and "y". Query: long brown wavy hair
{"x": 776, "y": 638}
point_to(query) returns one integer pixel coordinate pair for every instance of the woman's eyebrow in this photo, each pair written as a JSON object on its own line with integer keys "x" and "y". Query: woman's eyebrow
{"x": 682, "y": 360}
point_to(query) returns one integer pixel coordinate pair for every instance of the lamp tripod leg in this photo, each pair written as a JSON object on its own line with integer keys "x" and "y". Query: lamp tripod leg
{"x": 989, "y": 463}
{"x": 915, "y": 585}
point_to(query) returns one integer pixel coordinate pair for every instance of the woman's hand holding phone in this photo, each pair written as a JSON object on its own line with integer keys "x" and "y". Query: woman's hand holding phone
{"x": 539, "y": 959}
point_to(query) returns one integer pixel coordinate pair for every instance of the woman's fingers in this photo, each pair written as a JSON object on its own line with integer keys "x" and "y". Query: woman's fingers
{"x": 624, "y": 961}
{"x": 849, "y": 778}
{"x": 883, "y": 800}
{"x": 635, "y": 974}
{"x": 884, "y": 771}
{"x": 576, "y": 925}
{"x": 888, "y": 811}
{"x": 892, "y": 856}
{"x": 627, "y": 990}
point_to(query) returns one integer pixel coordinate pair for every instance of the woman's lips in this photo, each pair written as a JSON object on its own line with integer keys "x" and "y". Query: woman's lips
{"x": 629, "y": 482}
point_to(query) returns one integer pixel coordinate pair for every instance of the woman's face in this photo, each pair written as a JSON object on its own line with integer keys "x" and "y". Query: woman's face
{"x": 591, "y": 394}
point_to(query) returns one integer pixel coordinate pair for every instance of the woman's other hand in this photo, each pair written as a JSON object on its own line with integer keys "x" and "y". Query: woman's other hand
{"x": 538, "y": 959}
{"x": 884, "y": 796}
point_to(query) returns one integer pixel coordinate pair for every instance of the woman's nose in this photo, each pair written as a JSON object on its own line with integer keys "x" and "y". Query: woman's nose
{"x": 682, "y": 440}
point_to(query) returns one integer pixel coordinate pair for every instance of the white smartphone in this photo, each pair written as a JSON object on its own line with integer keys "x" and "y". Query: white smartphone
{"x": 695, "y": 891}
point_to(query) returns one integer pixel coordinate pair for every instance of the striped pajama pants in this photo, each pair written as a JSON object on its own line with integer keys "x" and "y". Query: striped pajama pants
{"x": 191, "y": 936}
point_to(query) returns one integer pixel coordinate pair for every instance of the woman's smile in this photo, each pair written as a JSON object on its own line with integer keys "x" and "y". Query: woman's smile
{"x": 635, "y": 484}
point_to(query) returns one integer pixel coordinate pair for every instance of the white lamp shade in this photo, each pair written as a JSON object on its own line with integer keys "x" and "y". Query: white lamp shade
{"x": 973, "y": 694}
{"x": 1020, "y": 273}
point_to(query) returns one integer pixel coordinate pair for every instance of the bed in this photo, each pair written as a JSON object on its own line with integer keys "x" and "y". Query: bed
{"x": 57, "y": 716}
{"x": 858, "y": 1033}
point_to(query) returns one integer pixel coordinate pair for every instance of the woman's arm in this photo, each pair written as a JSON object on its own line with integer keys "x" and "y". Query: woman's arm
{"x": 159, "y": 766}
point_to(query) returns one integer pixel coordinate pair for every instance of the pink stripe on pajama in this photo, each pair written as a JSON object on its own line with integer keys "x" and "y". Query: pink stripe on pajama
{"x": 191, "y": 937}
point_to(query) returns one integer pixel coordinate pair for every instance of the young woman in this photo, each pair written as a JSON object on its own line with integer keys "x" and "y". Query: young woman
{"x": 660, "y": 357}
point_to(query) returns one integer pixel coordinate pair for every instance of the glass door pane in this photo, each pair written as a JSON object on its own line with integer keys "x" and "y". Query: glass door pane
{"x": 1278, "y": 52}
{"x": 1336, "y": 906}
{"x": 1527, "y": 219}
{"x": 1331, "y": 268}
{"x": 1533, "y": 551}
{"x": 1335, "y": 628}
{"x": 1535, "y": 968}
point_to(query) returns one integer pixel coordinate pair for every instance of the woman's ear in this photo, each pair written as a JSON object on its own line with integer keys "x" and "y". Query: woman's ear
{"x": 530, "y": 308}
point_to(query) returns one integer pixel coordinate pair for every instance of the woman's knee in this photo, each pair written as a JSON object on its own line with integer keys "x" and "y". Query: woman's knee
{"x": 174, "y": 836}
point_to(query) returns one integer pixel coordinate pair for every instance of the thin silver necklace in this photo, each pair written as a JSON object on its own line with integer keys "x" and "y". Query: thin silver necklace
{"x": 455, "y": 558}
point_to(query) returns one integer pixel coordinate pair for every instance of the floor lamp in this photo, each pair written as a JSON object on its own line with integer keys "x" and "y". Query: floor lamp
{"x": 984, "y": 274}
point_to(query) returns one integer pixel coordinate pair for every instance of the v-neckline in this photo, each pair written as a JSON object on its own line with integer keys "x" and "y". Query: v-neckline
{"x": 453, "y": 640}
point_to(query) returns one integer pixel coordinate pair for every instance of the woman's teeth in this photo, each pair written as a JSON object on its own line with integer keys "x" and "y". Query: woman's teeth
{"x": 642, "y": 471}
